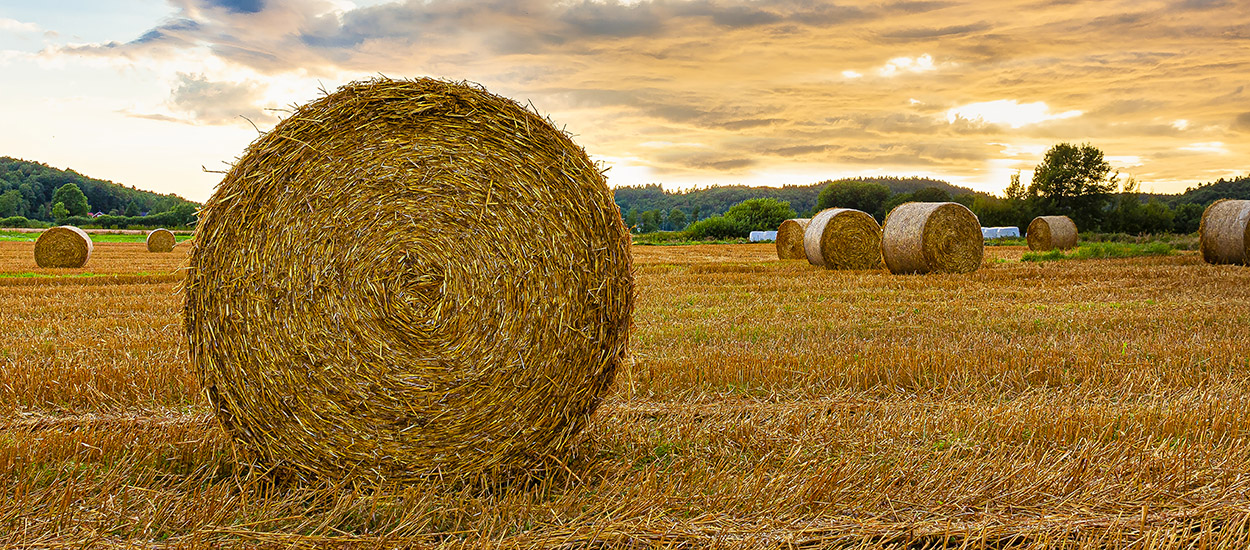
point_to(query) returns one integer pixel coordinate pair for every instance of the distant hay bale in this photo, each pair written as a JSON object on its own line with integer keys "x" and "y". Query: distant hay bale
{"x": 63, "y": 246}
{"x": 408, "y": 279}
{"x": 161, "y": 240}
{"x": 932, "y": 237}
{"x": 790, "y": 239}
{"x": 1225, "y": 232}
{"x": 842, "y": 238}
{"x": 1051, "y": 233}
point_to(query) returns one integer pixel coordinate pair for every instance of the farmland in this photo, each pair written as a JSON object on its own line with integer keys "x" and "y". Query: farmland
{"x": 1082, "y": 403}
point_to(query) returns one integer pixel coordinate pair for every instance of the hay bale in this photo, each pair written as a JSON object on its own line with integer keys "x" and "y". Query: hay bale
{"x": 161, "y": 240}
{"x": 63, "y": 246}
{"x": 407, "y": 279}
{"x": 790, "y": 239}
{"x": 1225, "y": 232}
{"x": 842, "y": 238}
{"x": 1050, "y": 233}
{"x": 932, "y": 237}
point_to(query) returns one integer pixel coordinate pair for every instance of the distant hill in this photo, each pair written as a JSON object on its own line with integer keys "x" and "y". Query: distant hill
{"x": 1236, "y": 188}
{"x": 33, "y": 184}
{"x": 715, "y": 200}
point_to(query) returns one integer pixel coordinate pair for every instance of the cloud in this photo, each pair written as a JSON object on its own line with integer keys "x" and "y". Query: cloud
{"x": 238, "y": 6}
{"x": 900, "y": 65}
{"x": 17, "y": 27}
{"x": 197, "y": 100}
{"x": 1241, "y": 122}
{"x": 921, "y": 33}
{"x": 1007, "y": 111}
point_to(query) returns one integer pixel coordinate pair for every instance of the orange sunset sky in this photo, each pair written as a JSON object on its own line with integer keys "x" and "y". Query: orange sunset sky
{"x": 682, "y": 93}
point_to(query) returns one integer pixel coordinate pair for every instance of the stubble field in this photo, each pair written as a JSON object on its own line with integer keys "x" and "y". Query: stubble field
{"x": 1091, "y": 404}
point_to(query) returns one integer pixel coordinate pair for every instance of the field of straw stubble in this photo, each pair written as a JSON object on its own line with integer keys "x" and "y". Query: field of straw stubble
{"x": 768, "y": 404}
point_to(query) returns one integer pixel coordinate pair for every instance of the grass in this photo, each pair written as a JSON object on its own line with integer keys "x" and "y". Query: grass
{"x": 18, "y": 236}
{"x": 766, "y": 404}
{"x": 1102, "y": 251}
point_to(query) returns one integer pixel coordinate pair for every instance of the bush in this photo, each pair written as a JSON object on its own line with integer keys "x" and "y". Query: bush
{"x": 21, "y": 221}
{"x": 760, "y": 214}
{"x": 717, "y": 227}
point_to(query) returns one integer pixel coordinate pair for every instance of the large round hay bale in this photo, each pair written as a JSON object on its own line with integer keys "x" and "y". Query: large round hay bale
{"x": 1050, "y": 233}
{"x": 790, "y": 239}
{"x": 63, "y": 246}
{"x": 161, "y": 240}
{"x": 1225, "y": 232}
{"x": 932, "y": 237}
{"x": 406, "y": 279}
{"x": 842, "y": 238}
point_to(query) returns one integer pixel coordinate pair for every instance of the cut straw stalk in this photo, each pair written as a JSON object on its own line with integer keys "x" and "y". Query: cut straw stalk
{"x": 842, "y": 238}
{"x": 790, "y": 239}
{"x": 63, "y": 246}
{"x": 161, "y": 240}
{"x": 408, "y": 279}
{"x": 932, "y": 237}
{"x": 1051, "y": 233}
{"x": 1225, "y": 232}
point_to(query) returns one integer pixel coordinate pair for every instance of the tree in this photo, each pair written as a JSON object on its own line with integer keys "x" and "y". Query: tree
{"x": 694, "y": 213}
{"x": 11, "y": 203}
{"x": 760, "y": 214}
{"x": 1015, "y": 190}
{"x": 132, "y": 209}
{"x": 184, "y": 214}
{"x": 931, "y": 194}
{"x": 72, "y": 198}
{"x": 1074, "y": 181}
{"x": 59, "y": 212}
{"x": 650, "y": 221}
{"x": 865, "y": 196}
{"x": 1186, "y": 217}
{"x": 631, "y": 219}
{"x": 676, "y": 219}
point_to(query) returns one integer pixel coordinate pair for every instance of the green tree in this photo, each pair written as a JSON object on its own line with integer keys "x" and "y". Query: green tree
{"x": 184, "y": 214}
{"x": 1186, "y": 217}
{"x": 760, "y": 214}
{"x": 59, "y": 212}
{"x": 651, "y": 220}
{"x": 716, "y": 227}
{"x": 631, "y": 219}
{"x": 865, "y": 196}
{"x": 676, "y": 219}
{"x": 11, "y": 203}
{"x": 694, "y": 213}
{"x": 71, "y": 196}
{"x": 892, "y": 203}
{"x": 931, "y": 194}
{"x": 1074, "y": 181}
{"x": 132, "y": 209}
{"x": 1015, "y": 190}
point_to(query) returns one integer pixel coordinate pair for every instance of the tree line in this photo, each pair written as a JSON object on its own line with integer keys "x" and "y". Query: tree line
{"x": 30, "y": 193}
{"x": 1072, "y": 180}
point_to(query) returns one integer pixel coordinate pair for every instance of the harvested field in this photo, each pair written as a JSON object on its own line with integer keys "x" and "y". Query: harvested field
{"x": 1095, "y": 404}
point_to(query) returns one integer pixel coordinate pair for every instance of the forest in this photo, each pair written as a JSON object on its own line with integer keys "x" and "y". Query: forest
{"x": 1072, "y": 180}
{"x": 27, "y": 190}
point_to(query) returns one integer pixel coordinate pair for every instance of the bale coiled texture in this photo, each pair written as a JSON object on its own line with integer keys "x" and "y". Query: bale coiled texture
{"x": 161, "y": 240}
{"x": 1225, "y": 232}
{"x": 843, "y": 238}
{"x": 1050, "y": 233}
{"x": 63, "y": 246}
{"x": 932, "y": 237}
{"x": 790, "y": 239}
{"x": 406, "y": 279}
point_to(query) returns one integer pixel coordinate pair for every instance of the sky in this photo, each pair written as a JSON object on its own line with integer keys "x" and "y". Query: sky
{"x": 162, "y": 95}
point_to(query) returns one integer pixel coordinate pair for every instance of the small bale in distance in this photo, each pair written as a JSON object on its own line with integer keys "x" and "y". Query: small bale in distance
{"x": 63, "y": 246}
{"x": 407, "y": 280}
{"x": 790, "y": 239}
{"x": 1225, "y": 232}
{"x": 843, "y": 238}
{"x": 161, "y": 240}
{"x": 932, "y": 237}
{"x": 1051, "y": 233}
